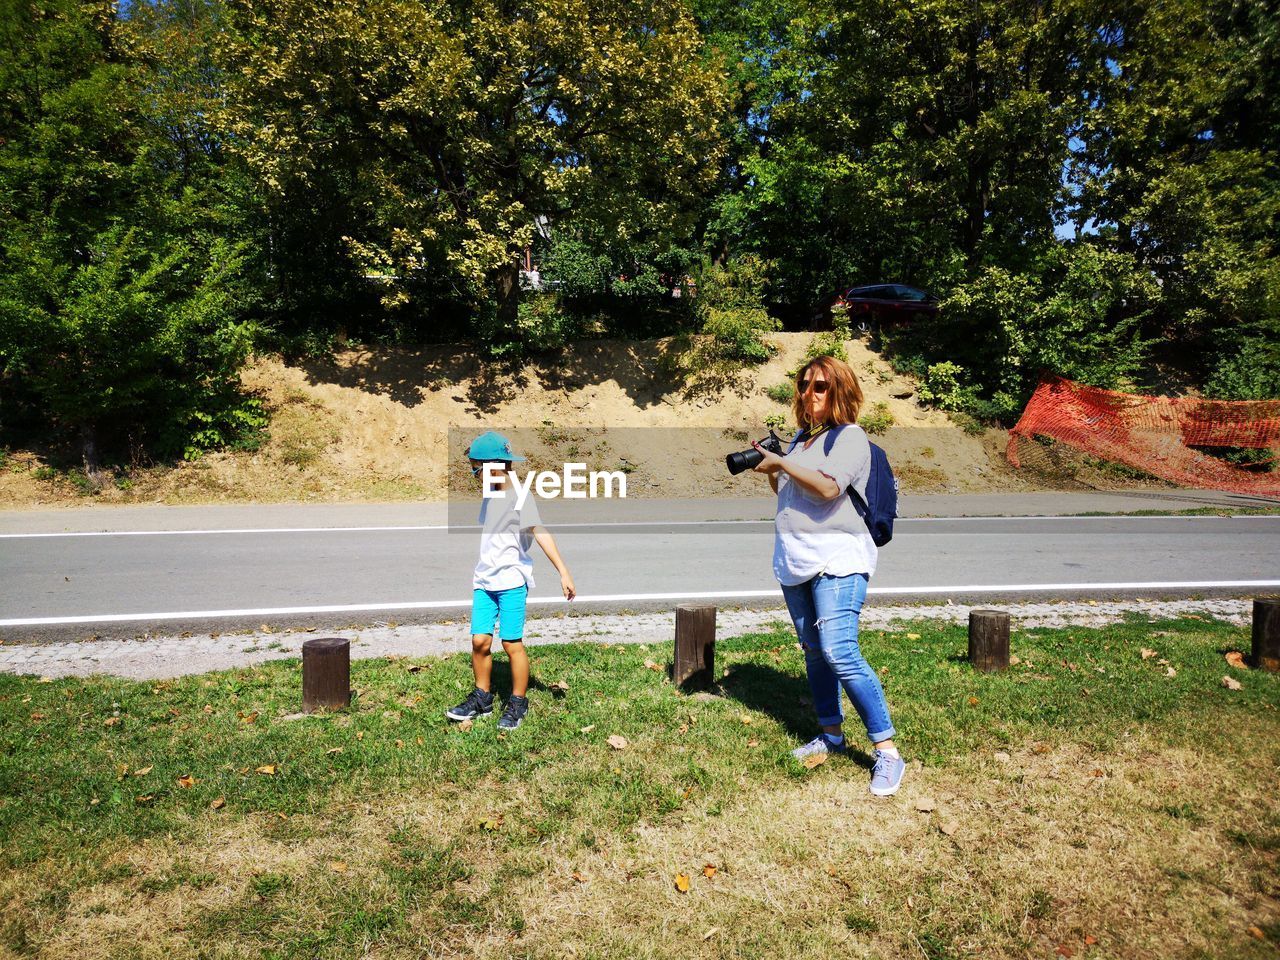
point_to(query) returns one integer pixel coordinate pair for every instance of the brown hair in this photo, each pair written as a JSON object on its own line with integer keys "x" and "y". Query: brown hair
{"x": 844, "y": 395}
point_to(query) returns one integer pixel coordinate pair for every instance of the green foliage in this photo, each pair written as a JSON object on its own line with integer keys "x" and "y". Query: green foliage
{"x": 775, "y": 421}
{"x": 829, "y": 344}
{"x": 123, "y": 314}
{"x": 469, "y": 124}
{"x": 731, "y": 311}
{"x": 877, "y": 420}
{"x": 783, "y": 392}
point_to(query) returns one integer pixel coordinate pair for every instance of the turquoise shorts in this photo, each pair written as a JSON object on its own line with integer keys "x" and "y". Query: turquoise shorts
{"x": 503, "y": 607}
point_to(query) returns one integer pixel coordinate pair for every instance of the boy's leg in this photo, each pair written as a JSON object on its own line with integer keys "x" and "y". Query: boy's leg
{"x": 519, "y": 667}
{"x": 482, "y": 660}
{"x": 511, "y": 610}
{"x": 484, "y": 615}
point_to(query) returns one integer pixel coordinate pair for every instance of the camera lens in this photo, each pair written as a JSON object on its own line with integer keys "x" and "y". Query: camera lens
{"x": 738, "y": 462}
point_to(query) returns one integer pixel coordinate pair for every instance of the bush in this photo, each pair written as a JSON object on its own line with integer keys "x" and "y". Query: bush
{"x": 731, "y": 309}
{"x": 141, "y": 346}
{"x": 1075, "y": 311}
{"x": 829, "y": 344}
{"x": 878, "y": 420}
{"x": 783, "y": 392}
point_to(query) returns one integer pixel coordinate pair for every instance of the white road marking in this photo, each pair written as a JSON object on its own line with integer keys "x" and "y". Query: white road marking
{"x": 632, "y": 597}
{"x": 564, "y": 526}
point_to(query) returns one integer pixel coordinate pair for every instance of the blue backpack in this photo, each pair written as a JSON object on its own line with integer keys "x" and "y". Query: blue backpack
{"x": 880, "y": 507}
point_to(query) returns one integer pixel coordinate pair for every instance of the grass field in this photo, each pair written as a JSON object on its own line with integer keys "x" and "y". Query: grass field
{"x": 1088, "y": 802}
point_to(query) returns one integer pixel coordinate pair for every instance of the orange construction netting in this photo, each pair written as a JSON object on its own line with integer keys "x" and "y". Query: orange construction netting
{"x": 1155, "y": 434}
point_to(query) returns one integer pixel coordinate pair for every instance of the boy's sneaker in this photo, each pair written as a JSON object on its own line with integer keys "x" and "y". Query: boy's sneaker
{"x": 823, "y": 743}
{"x": 478, "y": 704}
{"x": 886, "y": 777}
{"x": 517, "y": 707}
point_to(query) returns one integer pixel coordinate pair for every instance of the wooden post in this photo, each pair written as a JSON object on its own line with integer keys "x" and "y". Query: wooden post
{"x": 1266, "y": 633}
{"x": 695, "y": 663}
{"x": 326, "y": 674}
{"x": 989, "y": 640}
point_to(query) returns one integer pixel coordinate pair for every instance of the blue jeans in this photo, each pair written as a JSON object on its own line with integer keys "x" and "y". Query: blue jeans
{"x": 825, "y": 612}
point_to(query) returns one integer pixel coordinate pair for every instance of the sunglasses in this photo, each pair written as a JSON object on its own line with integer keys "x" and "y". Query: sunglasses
{"x": 819, "y": 386}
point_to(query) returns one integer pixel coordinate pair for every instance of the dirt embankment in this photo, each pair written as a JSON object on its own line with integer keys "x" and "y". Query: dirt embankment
{"x": 374, "y": 425}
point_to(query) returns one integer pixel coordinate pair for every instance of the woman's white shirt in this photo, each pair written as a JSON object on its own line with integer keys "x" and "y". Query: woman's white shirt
{"x": 814, "y": 535}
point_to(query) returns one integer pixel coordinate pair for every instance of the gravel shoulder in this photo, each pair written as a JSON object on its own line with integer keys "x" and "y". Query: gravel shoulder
{"x": 159, "y": 657}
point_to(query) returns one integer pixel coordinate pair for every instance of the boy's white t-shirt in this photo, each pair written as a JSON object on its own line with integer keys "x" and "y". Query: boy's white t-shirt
{"x": 505, "y": 539}
{"x": 813, "y": 535}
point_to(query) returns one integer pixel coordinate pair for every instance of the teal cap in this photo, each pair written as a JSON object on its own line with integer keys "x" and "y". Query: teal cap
{"x": 492, "y": 446}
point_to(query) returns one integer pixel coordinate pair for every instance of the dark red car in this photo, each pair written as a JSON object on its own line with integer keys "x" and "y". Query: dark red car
{"x": 885, "y": 303}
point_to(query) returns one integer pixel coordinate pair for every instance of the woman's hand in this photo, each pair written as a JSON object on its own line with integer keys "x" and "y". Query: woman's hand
{"x": 566, "y": 584}
{"x": 771, "y": 463}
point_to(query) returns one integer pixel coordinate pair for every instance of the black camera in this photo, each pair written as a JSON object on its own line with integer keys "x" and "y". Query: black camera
{"x": 738, "y": 462}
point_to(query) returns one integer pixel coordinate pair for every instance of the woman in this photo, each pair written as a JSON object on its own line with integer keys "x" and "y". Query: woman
{"x": 823, "y": 557}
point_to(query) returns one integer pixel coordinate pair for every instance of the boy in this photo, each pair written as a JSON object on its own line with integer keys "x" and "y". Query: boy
{"x": 501, "y": 582}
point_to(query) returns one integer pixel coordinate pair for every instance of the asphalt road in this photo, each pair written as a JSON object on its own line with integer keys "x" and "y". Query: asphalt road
{"x": 126, "y": 572}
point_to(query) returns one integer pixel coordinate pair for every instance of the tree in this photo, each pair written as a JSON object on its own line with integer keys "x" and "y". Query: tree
{"x": 121, "y": 312}
{"x": 471, "y": 120}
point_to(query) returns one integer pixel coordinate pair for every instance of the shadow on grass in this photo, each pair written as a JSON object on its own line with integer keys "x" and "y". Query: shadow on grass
{"x": 785, "y": 697}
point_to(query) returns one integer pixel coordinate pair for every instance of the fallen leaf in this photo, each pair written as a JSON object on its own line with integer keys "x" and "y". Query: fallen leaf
{"x": 618, "y": 742}
{"x": 249, "y": 717}
{"x": 1256, "y": 933}
{"x": 491, "y": 823}
{"x": 1065, "y": 951}
{"x": 359, "y": 734}
{"x": 337, "y": 866}
{"x": 560, "y": 685}
{"x": 588, "y": 728}
{"x": 1236, "y": 659}
{"x": 1090, "y": 940}
{"x": 1231, "y": 683}
{"x": 708, "y": 870}
{"x": 949, "y": 827}
{"x": 746, "y": 721}
{"x": 1001, "y": 756}
{"x": 650, "y": 665}
{"x": 142, "y": 771}
{"x": 578, "y": 877}
{"x": 465, "y": 725}
{"x": 414, "y": 668}
{"x": 753, "y": 742}
{"x": 913, "y": 636}
{"x": 682, "y": 882}
{"x": 683, "y": 728}
{"x": 399, "y": 744}
{"x": 710, "y": 933}
{"x": 1014, "y": 660}
{"x": 186, "y": 781}
{"x": 925, "y": 805}
{"x": 111, "y": 722}
{"x": 1147, "y": 653}
{"x": 973, "y": 701}
{"x": 146, "y": 798}
{"x": 121, "y": 770}
{"x": 267, "y": 769}
{"x": 1041, "y": 748}
{"x": 218, "y": 804}
{"x": 37, "y": 716}
{"x": 814, "y": 760}
{"x": 46, "y": 679}
{"x": 1170, "y": 672}
{"x": 207, "y": 709}
{"x": 333, "y": 750}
